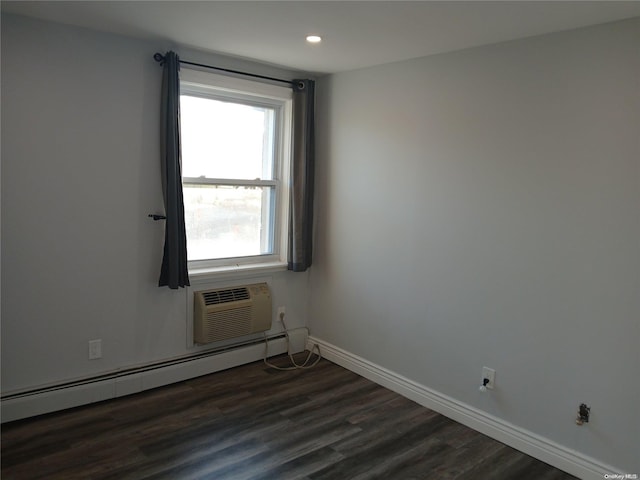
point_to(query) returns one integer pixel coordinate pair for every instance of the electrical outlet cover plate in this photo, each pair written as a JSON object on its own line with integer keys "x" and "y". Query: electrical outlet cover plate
{"x": 489, "y": 373}
{"x": 95, "y": 349}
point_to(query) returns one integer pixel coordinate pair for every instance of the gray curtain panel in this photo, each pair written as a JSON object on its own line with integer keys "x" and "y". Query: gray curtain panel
{"x": 302, "y": 176}
{"x": 174, "y": 272}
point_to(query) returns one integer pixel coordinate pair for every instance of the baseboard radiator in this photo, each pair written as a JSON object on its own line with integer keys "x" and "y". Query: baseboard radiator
{"x": 226, "y": 313}
{"x": 222, "y": 314}
{"x": 127, "y": 381}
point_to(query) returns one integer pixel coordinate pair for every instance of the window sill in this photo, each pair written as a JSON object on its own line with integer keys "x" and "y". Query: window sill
{"x": 202, "y": 275}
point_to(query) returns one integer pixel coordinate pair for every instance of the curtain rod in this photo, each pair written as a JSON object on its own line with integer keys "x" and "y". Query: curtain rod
{"x": 158, "y": 57}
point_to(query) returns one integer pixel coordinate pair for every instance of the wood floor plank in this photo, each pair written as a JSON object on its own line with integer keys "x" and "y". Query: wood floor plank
{"x": 299, "y": 468}
{"x": 372, "y": 452}
{"x": 257, "y": 423}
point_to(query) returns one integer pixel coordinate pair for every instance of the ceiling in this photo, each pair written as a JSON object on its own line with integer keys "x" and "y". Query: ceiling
{"x": 356, "y": 34}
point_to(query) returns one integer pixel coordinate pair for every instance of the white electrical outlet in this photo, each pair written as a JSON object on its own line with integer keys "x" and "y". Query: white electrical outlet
{"x": 490, "y": 374}
{"x": 95, "y": 349}
{"x": 281, "y": 311}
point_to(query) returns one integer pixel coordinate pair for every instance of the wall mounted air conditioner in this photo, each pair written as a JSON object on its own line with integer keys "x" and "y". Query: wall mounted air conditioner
{"x": 225, "y": 313}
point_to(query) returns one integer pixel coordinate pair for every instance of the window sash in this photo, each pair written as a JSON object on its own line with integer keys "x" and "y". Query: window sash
{"x": 273, "y": 116}
{"x": 241, "y": 225}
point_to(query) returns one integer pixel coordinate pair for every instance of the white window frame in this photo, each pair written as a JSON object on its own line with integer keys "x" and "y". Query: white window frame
{"x": 211, "y": 85}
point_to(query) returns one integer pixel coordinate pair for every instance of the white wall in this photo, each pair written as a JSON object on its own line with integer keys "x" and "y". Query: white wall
{"x": 80, "y": 173}
{"x": 482, "y": 208}
{"x": 475, "y": 208}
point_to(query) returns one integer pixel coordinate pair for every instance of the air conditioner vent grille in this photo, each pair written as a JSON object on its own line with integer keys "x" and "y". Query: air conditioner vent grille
{"x": 229, "y": 295}
{"x": 227, "y": 324}
{"x": 225, "y": 313}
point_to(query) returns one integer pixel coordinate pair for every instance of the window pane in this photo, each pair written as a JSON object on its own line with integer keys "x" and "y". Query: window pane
{"x": 225, "y": 221}
{"x": 226, "y": 140}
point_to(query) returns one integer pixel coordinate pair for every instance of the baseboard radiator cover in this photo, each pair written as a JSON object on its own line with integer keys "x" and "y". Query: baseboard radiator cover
{"x": 541, "y": 448}
{"x": 52, "y": 398}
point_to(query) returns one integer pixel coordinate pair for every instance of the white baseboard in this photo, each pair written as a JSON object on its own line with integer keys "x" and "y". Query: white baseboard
{"x": 52, "y": 399}
{"x": 523, "y": 440}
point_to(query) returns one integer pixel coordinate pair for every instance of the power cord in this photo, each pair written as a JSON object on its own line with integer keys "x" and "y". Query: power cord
{"x": 294, "y": 366}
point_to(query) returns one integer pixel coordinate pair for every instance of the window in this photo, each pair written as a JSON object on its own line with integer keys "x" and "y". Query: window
{"x": 235, "y": 137}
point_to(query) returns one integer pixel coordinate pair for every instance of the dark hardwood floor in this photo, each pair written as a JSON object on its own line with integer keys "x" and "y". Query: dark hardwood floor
{"x": 253, "y": 422}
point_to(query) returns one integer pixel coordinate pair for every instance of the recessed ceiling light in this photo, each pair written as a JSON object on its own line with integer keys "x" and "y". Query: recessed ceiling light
{"x": 314, "y": 39}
